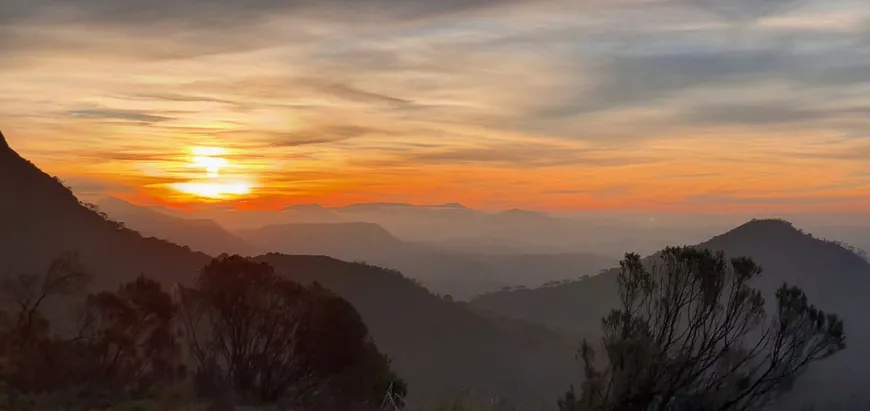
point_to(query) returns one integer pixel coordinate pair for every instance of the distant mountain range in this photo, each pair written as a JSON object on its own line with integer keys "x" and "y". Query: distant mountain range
{"x": 445, "y": 268}
{"x": 199, "y": 234}
{"x": 834, "y": 279}
{"x": 459, "y": 274}
{"x": 454, "y": 227}
{"x": 518, "y": 344}
{"x": 439, "y": 347}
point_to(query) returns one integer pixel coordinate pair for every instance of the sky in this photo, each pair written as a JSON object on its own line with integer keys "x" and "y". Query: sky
{"x": 740, "y": 105}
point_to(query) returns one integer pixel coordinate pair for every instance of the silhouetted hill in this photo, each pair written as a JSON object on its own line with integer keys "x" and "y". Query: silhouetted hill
{"x": 834, "y": 279}
{"x": 199, "y": 234}
{"x": 857, "y": 236}
{"x": 538, "y": 269}
{"x": 346, "y": 241}
{"x": 233, "y": 219}
{"x": 453, "y": 205}
{"x": 454, "y": 227}
{"x": 374, "y": 206}
{"x": 41, "y": 219}
{"x": 785, "y": 253}
{"x": 491, "y": 245}
{"x": 460, "y": 274}
{"x": 308, "y": 214}
{"x": 438, "y": 346}
{"x": 824, "y": 269}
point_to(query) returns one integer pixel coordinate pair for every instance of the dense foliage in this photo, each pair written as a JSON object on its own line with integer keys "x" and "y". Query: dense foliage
{"x": 248, "y": 336}
{"x": 269, "y": 339}
{"x": 691, "y": 334}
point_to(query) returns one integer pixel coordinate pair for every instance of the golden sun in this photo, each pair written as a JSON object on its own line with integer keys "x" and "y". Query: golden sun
{"x": 213, "y": 185}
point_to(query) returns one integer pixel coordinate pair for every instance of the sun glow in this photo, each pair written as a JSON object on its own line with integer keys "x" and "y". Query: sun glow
{"x": 213, "y": 186}
{"x": 213, "y": 190}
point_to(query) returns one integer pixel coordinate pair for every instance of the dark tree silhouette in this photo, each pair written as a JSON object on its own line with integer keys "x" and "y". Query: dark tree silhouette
{"x": 130, "y": 336}
{"x": 691, "y": 334}
{"x": 25, "y": 294}
{"x": 31, "y": 358}
{"x": 124, "y": 341}
{"x": 267, "y": 338}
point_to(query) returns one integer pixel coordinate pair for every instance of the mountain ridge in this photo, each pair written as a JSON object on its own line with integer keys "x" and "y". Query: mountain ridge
{"x": 438, "y": 346}
{"x": 834, "y": 279}
{"x": 201, "y": 234}
{"x": 49, "y": 221}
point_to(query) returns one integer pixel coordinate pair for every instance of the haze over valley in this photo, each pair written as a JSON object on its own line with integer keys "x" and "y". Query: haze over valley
{"x": 528, "y": 305}
{"x": 423, "y": 205}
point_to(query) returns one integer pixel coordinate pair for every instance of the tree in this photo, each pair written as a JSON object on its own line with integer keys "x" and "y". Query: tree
{"x": 267, "y": 338}
{"x": 124, "y": 341}
{"x": 25, "y": 294}
{"x": 691, "y": 334}
{"x": 31, "y": 358}
{"x": 130, "y": 336}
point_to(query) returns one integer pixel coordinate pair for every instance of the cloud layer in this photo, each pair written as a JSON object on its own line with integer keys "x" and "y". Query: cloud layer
{"x": 677, "y": 104}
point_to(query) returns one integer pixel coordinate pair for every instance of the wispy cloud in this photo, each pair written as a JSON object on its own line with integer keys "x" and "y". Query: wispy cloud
{"x": 303, "y": 137}
{"x": 116, "y": 114}
{"x": 670, "y": 101}
{"x": 523, "y": 155}
{"x": 354, "y": 94}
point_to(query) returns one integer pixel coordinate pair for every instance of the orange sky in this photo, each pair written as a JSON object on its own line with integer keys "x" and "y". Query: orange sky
{"x": 509, "y": 104}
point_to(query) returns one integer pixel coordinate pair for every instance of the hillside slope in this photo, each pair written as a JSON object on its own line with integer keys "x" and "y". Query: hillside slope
{"x": 199, "y": 234}
{"x": 462, "y": 275}
{"x": 834, "y": 279}
{"x": 438, "y": 346}
{"x": 41, "y": 219}
{"x": 346, "y": 241}
{"x": 441, "y": 347}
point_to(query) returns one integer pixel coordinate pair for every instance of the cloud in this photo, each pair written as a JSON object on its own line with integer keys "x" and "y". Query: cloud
{"x": 808, "y": 200}
{"x": 117, "y": 114}
{"x": 429, "y": 95}
{"x": 636, "y": 80}
{"x": 658, "y": 65}
{"x": 746, "y": 10}
{"x": 689, "y": 176}
{"x": 354, "y": 94}
{"x": 851, "y": 152}
{"x": 772, "y": 113}
{"x": 525, "y": 155}
{"x": 752, "y": 114}
{"x": 95, "y": 185}
{"x": 230, "y": 12}
{"x": 303, "y": 137}
{"x": 179, "y": 98}
{"x": 120, "y": 156}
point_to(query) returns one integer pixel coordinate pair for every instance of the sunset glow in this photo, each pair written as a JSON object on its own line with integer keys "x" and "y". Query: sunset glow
{"x": 213, "y": 186}
{"x": 209, "y": 159}
{"x": 213, "y": 190}
{"x": 543, "y": 105}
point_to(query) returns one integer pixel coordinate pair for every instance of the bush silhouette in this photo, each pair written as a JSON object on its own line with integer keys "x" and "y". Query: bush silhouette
{"x": 266, "y": 339}
{"x": 251, "y": 336}
{"x": 691, "y": 334}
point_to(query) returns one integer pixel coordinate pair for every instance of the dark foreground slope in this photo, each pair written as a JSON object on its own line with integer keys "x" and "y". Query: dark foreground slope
{"x": 835, "y": 280}
{"x": 41, "y": 219}
{"x": 441, "y": 347}
{"x": 438, "y": 346}
{"x": 462, "y": 275}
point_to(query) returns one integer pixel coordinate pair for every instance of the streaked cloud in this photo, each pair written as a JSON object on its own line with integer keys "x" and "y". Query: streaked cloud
{"x": 541, "y": 104}
{"x": 116, "y": 114}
